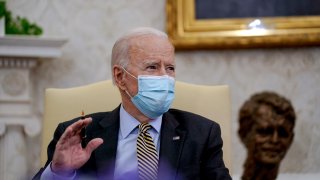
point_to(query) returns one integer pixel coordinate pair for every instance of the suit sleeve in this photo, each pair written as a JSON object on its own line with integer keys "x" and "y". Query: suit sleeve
{"x": 51, "y": 148}
{"x": 212, "y": 165}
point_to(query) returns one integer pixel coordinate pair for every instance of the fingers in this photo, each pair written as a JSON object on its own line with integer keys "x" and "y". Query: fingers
{"x": 93, "y": 144}
{"x": 81, "y": 124}
{"x": 75, "y": 129}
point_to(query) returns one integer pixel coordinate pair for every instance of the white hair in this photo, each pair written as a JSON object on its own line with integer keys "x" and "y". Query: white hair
{"x": 120, "y": 50}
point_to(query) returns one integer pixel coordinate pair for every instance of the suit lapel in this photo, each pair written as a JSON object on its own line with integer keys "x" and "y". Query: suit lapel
{"x": 171, "y": 145}
{"x": 105, "y": 155}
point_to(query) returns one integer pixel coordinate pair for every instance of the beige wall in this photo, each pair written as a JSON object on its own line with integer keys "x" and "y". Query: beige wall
{"x": 92, "y": 27}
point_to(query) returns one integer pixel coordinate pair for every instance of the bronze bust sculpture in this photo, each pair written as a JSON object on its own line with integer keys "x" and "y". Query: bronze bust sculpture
{"x": 266, "y": 123}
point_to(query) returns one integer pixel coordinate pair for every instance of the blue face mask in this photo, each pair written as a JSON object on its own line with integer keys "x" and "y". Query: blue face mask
{"x": 155, "y": 94}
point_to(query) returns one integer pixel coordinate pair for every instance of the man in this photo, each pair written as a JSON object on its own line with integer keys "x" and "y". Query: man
{"x": 266, "y": 129}
{"x": 121, "y": 144}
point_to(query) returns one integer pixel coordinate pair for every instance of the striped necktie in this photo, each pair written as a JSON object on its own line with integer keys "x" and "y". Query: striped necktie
{"x": 147, "y": 154}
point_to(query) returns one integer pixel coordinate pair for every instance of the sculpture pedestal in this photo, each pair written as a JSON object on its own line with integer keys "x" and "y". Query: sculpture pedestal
{"x": 18, "y": 122}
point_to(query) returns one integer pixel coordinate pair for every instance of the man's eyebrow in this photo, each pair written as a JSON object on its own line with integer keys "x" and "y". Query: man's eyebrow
{"x": 151, "y": 62}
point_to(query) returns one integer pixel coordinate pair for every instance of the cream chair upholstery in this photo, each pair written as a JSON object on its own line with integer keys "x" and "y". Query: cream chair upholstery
{"x": 212, "y": 102}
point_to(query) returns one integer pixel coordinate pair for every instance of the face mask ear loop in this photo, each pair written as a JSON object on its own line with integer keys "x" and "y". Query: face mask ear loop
{"x": 128, "y": 94}
{"x": 128, "y": 72}
{"x": 130, "y": 75}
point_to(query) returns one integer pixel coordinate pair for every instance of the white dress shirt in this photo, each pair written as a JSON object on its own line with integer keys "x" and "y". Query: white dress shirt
{"x": 126, "y": 166}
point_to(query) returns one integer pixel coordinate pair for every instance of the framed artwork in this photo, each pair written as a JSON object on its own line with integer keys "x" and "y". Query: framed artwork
{"x": 208, "y": 24}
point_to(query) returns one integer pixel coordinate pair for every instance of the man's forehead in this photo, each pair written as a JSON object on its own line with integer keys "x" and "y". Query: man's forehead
{"x": 149, "y": 42}
{"x": 145, "y": 56}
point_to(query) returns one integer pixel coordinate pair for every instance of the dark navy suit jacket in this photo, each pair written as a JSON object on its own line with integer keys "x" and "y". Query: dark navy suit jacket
{"x": 190, "y": 147}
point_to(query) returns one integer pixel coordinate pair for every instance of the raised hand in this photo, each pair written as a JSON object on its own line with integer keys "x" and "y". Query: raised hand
{"x": 69, "y": 154}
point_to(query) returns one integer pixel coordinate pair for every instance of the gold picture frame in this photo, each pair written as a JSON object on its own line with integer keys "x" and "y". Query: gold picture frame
{"x": 187, "y": 32}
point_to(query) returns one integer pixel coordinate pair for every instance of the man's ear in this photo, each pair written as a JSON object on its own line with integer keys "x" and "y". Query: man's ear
{"x": 119, "y": 76}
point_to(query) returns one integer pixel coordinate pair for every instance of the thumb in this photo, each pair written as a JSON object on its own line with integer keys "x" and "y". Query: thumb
{"x": 93, "y": 144}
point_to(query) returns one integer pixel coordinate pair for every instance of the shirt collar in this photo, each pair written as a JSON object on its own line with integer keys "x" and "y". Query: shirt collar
{"x": 128, "y": 123}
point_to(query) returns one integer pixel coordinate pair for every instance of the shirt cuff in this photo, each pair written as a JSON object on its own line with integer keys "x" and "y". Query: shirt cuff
{"x": 48, "y": 174}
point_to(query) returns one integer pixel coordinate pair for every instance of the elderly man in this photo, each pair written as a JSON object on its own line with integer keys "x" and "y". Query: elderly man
{"x": 142, "y": 138}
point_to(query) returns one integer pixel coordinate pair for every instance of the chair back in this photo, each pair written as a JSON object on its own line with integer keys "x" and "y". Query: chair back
{"x": 212, "y": 102}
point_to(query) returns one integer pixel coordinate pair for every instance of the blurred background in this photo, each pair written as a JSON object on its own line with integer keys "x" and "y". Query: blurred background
{"x": 91, "y": 28}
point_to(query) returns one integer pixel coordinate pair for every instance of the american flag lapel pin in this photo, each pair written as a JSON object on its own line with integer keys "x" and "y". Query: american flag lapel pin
{"x": 175, "y": 138}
